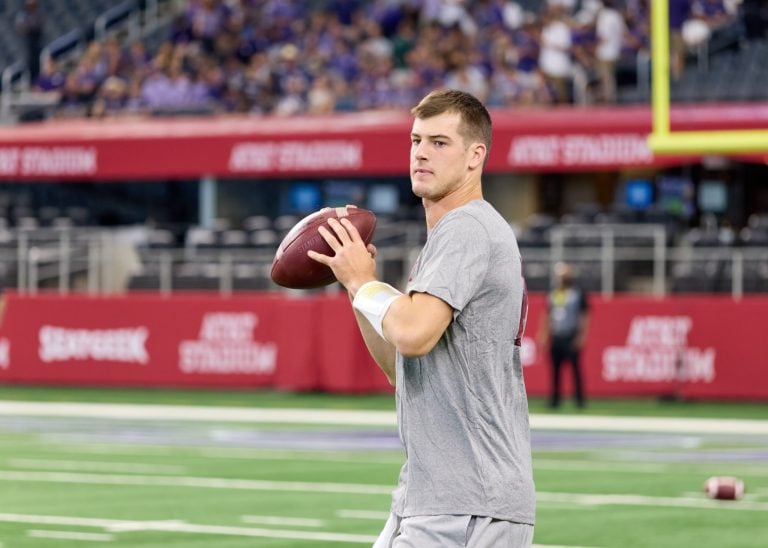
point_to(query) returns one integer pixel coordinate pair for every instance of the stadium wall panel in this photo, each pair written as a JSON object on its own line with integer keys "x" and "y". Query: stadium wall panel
{"x": 699, "y": 347}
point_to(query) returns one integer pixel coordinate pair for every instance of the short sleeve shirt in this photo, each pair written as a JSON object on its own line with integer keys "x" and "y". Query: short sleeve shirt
{"x": 462, "y": 407}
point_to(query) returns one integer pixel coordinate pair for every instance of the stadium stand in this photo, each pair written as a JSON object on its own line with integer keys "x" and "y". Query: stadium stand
{"x": 288, "y": 58}
{"x": 273, "y": 57}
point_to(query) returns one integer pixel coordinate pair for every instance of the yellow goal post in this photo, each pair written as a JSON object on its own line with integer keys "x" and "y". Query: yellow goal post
{"x": 664, "y": 141}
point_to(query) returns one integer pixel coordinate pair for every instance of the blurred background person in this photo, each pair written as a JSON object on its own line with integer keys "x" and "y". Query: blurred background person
{"x": 30, "y": 26}
{"x": 610, "y": 27}
{"x": 564, "y": 329}
{"x": 555, "y": 58}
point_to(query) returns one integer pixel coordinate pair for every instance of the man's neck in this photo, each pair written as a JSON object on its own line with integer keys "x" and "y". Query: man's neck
{"x": 435, "y": 211}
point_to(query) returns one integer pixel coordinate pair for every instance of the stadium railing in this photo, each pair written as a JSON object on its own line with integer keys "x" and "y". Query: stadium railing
{"x": 607, "y": 259}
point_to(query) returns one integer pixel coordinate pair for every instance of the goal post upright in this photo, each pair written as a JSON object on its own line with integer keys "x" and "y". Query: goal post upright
{"x": 662, "y": 139}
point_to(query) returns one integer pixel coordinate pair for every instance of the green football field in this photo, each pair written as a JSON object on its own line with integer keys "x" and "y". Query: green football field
{"x": 131, "y": 468}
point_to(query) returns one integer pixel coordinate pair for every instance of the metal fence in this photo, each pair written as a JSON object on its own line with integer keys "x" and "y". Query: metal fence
{"x": 607, "y": 259}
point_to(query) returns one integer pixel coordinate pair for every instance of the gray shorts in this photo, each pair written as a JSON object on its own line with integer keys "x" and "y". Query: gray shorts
{"x": 449, "y": 531}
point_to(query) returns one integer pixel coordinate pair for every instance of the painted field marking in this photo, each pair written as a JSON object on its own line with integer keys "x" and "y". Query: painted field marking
{"x": 93, "y": 466}
{"x": 117, "y": 448}
{"x": 279, "y": 520}
{"x": 363, "y": 514}
{"x": 590, "y": 466}
{"x": 356, "y": 488}
{"x": 184, "y": 527}
{"x": 384, "y": 516}
{"x": 558, "y": 546}
{"x": 122, "y": 448}
{"x": 325, "y": 456}
{"x": 153, "y": 412}
{"x": 639, "y": 467}
{"x": 642, "y": 500}
{"x": 736, "y": 467}
{"x": 199, "y": 482}
{"x": 70, "y": 535}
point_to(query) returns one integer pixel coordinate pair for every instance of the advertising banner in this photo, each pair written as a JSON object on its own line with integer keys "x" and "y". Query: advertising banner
{"x": 690, "y": 347}
{"x": 710, "y": 347}
{"x": 348, "y": 144}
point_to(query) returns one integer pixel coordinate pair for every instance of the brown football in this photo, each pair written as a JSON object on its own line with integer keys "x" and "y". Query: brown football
{"x": 292, "y": 267}
{"x": 724, "y": 488}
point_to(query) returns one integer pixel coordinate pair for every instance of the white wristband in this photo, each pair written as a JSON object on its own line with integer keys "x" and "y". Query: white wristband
{"x": 373, "y": 300}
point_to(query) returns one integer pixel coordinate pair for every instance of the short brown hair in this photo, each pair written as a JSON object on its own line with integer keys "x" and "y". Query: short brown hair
{"x": 475, "y": 120}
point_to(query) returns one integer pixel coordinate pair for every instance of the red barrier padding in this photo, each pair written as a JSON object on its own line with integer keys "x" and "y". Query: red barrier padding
{"x": 692, "y": 347}
{"x": 349, "y": 144}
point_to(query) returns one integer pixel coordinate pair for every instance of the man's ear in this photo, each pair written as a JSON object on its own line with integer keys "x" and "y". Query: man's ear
{"x": 478, "y": 153}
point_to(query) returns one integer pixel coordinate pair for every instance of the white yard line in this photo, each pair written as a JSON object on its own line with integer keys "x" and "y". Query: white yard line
{"x": 641, "y": 500}
{"x": 638, "y": 466}
{"x": 593, "y": 465}
{"x": 70, "y": 535}
{"x": 595, "y": 423}
{"x": 369, "y": 418}
{"x": 558, "y": 546}
{"x": 93, "y": 466}
{"x": 280, "y": 520}
{"x": 198, "y": 482}
{"x": 198, "y": 413}
{"x": 374, "y": 515}
{"x": 307, "y": 454}
{"x": 354, "y": 488}
{"x": 183, "y": 527}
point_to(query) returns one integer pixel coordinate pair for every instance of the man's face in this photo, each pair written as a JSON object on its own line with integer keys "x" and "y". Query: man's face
{"x": 440, "y": 158}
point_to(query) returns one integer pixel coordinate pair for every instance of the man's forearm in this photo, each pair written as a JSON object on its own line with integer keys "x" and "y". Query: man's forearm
{"x": 382, "y": 351}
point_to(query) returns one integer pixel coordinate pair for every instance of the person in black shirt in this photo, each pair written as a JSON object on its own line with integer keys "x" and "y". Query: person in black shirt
{"x": 564, "y": 330}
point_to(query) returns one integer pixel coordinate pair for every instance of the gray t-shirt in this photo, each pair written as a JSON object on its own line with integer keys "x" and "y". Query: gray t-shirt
{"x": 462, "y": 408}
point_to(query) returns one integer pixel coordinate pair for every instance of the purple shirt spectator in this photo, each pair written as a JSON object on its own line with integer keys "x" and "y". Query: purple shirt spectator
{"x": 679, "y": 11}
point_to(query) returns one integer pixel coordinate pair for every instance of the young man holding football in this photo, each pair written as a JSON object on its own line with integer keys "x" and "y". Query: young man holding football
{"x": 450, "y": 344}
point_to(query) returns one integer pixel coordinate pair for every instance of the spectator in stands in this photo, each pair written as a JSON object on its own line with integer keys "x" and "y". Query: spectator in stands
{"x": 321, "y": 98}
{"x": 679, "y": 11}
{"x": 555, "y": 54}
{"x": 711, "y": 22}
{"x": 51, "y": 77}
{"x": 30, "y": 26}
{"x": 564, "y": 329}
{"x": 610, "y": 27}
{"x": 137, "y": 58}
{"x": 112, "y": 98}
{"x": 293, "y": 99}
{"x": 73, "y": 103}
{"x": 635, "y": 57}
{"x": 527, "y": 45}
{"x": 505, "y": 87}
{"x": 403, "y": 41}
{"x": 535, "y": 89}
{"x": 243, "y": 56}
{"x": 584, "y": 43}
{"x": 636, "y": 37}
{"x": 513, "y": 15}
{"x": 166, "y": 90}
{"x": 91, "y": 71}
{"x": 467, "y": 76}
{"x": 134, "y": 103}
{"x": 207, "y": 19}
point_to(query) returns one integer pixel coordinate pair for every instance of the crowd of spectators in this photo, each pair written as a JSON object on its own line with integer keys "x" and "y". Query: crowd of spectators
{"x": 286, "y": 57}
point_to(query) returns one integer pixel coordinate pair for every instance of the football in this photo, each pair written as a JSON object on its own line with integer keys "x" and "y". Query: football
{"x": 724, "y": 488}
{"x": 292, "y": 267}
